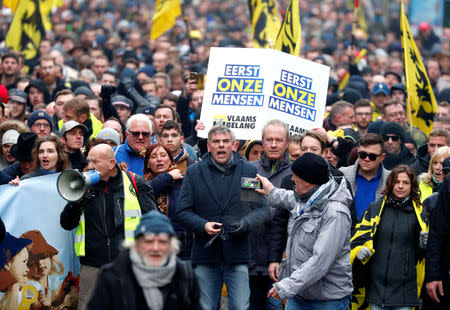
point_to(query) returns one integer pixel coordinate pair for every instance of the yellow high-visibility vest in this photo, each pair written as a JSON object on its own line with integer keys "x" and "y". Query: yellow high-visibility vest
{"x": 132, "y": 213}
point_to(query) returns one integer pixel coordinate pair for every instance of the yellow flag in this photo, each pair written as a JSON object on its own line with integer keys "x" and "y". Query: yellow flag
{"x": 28, "y": 27}
{"x": 289, "y": 39}
{"x": 422, "y": 105}
{"x": 12, "y": 4}
{"x": 166, "y": 12}
{"x": 265, "y": 22}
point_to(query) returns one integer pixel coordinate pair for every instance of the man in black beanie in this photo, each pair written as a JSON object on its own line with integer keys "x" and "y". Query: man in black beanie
{"x": 318, "y": 246}
{"x": 394, "y": 146}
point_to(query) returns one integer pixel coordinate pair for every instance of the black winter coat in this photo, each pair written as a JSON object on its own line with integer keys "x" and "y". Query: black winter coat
{"x": 259, "y": 247}
{"x": 423, "y": 160}
{"x": 209, "y": 195}
{"x": 437, "y": 263}
{"x": 117, "y": 288}
{"x": 103, "y": 207}
{"x": 404, "y": 158}
{"x": 164, "y": 184}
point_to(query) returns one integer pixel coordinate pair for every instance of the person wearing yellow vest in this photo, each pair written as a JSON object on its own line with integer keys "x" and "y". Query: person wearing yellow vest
{"x": 77, "y": 109}
{"x": 105, "y": 216}
{"x": 430, "y": 182}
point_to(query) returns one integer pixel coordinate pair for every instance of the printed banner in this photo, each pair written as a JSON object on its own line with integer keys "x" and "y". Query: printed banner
{"x": 42, "y": 268}
{"x": 246, "y": 88}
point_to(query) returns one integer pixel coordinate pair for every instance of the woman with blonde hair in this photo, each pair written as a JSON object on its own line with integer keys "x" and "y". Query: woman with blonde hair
{"x": 429, "y": 182}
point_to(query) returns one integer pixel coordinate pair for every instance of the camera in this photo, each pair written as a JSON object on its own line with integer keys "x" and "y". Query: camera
{"x": 250, "y": 183}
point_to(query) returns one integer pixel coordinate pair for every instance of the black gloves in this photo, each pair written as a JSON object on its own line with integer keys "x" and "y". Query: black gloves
{"x": 239, "y": 228}
{"x": 107, "y": 91}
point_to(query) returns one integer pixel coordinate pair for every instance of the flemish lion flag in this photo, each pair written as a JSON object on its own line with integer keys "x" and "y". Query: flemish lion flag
{"x": 265, "y": 22}
{"x": 166, "y": 12}
{"x": 423, "y": 103}
{"x": 289, "y": 38}
{"x": 30, "y": 21}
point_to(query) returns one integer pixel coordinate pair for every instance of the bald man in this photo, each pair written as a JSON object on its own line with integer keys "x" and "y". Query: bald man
{"x": 106, "y": 215}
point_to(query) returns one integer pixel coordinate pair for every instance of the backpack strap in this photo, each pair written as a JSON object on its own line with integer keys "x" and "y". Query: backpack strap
{"x": 133, "y": 180}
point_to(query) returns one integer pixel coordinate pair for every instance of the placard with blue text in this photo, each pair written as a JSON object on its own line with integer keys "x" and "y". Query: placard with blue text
{"x": 246, "y": 87}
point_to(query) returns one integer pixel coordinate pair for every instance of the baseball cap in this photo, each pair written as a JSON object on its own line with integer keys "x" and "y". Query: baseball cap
{"x": 380, "y": 88}
{"x": 69, "y": 126}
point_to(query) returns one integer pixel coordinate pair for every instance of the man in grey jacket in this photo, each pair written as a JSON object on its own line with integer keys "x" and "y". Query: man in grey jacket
{"x": 367, "y": 177}
{"x": 317, "y": 267}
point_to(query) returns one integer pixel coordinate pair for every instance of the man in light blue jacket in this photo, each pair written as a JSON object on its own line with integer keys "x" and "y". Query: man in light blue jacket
{"x": 317, "y": 268}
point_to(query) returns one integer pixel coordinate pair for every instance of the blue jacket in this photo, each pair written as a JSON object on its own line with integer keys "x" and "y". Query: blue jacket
{"x": 9, "y": 173}
{"x": 124, "y": 153}
{"x": 200, "y": 202}
{"x": 163, "y": 183}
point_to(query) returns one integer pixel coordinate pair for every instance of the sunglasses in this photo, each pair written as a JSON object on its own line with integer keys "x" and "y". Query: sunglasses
{"x": 136, "y": 134}
{"x": 394, "y": 138}
{"x": 363, "y": 155}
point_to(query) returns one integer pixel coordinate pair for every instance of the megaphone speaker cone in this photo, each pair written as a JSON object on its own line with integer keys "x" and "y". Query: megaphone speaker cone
{"x": 71, "y": 185}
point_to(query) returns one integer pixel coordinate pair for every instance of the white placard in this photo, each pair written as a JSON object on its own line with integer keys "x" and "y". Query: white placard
{"x": 247, "y": 87}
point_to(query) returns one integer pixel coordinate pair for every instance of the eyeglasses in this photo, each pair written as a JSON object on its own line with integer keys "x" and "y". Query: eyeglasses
{"x": 39, "y": 125}
{"x": 363, "y": 155}
{"x": 363, "y": 114}
{"x": 394, "y": 138}
{"x": 400, "y": 113}
{"x": 136, "y": 134}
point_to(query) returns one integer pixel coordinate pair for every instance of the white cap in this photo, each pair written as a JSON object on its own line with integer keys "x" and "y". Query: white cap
{"x": 10, "y": 136}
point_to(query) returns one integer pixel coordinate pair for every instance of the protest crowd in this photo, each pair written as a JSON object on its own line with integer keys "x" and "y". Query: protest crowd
{"x": 350, "y": 215}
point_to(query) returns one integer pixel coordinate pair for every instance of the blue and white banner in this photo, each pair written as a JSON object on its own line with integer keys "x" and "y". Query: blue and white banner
{"x": 247, "y": 87}
{"x": 32, "y": 211}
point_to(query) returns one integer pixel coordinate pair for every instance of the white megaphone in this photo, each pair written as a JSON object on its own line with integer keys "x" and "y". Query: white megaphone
{"x": 72, "y": 184}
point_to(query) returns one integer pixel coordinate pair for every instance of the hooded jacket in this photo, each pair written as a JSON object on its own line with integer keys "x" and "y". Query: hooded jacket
{"x": 364, "y": 236}
{"x": 404, "y": 157}
{"x": 39, "y": 84}
{"x": 317, "y": 265}
{"x": 423, "y": 160}
{"x": 350, "y": 175}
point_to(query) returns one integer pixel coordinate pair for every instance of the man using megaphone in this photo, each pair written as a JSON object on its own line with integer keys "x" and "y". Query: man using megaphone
{"x": 106, "y": 214}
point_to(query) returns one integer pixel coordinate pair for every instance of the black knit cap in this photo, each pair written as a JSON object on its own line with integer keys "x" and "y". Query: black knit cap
{"x": 311, "y": 168}
{"x": 393, "y": 128}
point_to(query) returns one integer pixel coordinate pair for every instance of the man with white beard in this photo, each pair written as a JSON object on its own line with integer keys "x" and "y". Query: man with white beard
{"x": 148, "y": 274}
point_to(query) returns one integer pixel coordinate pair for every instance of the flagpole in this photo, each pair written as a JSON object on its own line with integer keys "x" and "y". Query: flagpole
{"x": 355, "y": 22}
{"x": 185, "y": 19}
{"x": 408, "y": 102}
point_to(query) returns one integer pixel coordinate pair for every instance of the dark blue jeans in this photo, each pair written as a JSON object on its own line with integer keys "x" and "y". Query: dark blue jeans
{"x": 297, "y": 303}
{"x": 210, "y": 279}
